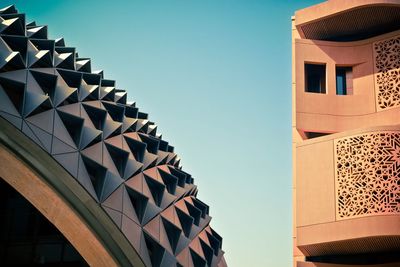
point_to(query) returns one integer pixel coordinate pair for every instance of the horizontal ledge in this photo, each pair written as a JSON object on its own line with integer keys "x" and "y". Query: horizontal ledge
{"x": 374, "y": 233}
{"x": 333, "y": 136}
{"x": 319, "y": 264}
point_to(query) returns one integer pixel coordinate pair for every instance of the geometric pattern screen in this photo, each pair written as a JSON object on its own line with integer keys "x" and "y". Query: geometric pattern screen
{"x": 367, "y": 174}
{"x": 84, "y": 122}
{"x": 387, "y": 77}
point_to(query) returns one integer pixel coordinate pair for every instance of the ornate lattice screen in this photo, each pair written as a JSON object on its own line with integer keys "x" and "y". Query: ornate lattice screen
{"x": 367, "y": 174}
{"x": 387, "y": 73}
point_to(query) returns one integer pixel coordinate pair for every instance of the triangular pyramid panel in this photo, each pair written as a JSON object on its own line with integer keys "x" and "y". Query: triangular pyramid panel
{"x": 108, "y": 146}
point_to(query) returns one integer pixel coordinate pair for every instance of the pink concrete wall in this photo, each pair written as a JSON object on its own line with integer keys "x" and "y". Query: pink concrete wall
{"x": 319, "y": 217}
{"x": 335, "y": 113}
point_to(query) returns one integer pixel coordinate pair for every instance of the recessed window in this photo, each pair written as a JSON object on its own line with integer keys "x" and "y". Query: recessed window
{"x": 311, "y": 135}
{"x": 344, "y": 80}
{"x": 315, "y": 78}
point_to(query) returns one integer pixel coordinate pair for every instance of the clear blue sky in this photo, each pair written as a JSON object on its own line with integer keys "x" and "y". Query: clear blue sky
{"x": 215, "y": 75}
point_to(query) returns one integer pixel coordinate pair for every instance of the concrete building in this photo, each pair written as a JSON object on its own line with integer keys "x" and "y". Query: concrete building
{"x": 346, "y": 107}
{"x": 84, "y": 177}
{"x": 346, "y": 134}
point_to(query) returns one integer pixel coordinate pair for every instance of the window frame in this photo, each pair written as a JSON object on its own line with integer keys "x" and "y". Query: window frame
{"x": 322, "y": 80}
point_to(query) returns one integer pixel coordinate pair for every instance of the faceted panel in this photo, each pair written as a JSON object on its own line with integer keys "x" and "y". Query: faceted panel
{"x": 110, "y": 147}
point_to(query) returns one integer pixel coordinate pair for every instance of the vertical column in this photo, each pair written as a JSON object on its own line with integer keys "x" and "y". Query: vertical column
{"x": 297, "y": 255}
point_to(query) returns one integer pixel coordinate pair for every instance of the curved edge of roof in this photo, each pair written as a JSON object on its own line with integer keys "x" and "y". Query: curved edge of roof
{"x": 74, "y": 195}
{"x": 346, "y": 21}
{"x": 334, "y": 7}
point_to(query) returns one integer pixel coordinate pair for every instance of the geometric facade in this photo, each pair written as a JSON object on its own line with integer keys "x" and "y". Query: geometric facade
{"x": 346, "y": 134}
{"x": 368, "y": 174}
{"x": 387, "y": 64}
{"x": 106, "y": 145}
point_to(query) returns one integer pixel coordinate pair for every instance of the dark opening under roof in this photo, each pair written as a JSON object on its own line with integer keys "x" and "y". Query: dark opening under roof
{"x": 355, "y": 24}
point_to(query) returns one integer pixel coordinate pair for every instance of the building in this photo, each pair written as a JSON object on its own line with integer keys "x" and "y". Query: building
{"x": 346, "y": 153}
{"x": 85, "y": 178}
{"x": 346, "y": 134}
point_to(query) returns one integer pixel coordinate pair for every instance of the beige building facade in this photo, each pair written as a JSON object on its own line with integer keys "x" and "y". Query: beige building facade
{"x": 346, "y": 133}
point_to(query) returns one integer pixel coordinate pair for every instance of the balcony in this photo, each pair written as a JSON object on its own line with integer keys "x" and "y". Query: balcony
{"x": 375, "y": 83}
{"x": 348, "y": 192}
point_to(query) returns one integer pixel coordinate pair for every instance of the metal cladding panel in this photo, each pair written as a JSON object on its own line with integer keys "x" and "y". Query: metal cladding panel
{"x": 85, "y": 123}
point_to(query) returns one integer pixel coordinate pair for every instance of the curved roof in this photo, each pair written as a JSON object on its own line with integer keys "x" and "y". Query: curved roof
{"x": 338, "y": 20}
{"x": 106, "y": 144}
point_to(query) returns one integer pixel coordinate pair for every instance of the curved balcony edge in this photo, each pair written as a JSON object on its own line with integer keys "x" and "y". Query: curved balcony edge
{"x": 319, "y": 264}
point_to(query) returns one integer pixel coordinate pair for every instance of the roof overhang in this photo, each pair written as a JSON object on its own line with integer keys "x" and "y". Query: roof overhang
{"x": 350, "y": 20}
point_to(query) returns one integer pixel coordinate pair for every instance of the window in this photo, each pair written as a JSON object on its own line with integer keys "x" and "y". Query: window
{"x": 27, "y": 238}
{"x": 311, "y": 135}
{"x": 315, "y": 80}
{"x": 344, "y": 80}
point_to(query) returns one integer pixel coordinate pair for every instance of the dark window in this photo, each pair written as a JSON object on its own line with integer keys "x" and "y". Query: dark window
{"x": 311, "y": 135}
{"x": 27, "y": 238}
{"x": 315, "y": 78}
{"x": 344, "y": 80}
